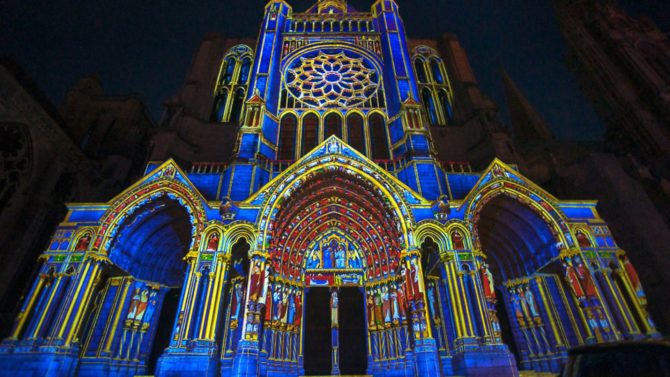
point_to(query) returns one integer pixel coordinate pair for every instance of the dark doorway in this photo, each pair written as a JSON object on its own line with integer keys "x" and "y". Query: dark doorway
{"x": 168, "y": 311}
{"x": 353, "y": 349}
{"x": 318, "y": 353}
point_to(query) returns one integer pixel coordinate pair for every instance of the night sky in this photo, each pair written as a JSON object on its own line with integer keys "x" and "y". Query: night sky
{"x": 145, "y": 47}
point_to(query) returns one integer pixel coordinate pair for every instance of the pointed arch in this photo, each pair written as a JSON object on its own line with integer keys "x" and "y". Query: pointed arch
{"x": 433, "y": 230}
{"x": 212, "y": 239}
{"x": 429, "y": 105}
{"x": 420, "y": 69}
{"x": 583, "y": 237}
{"x": 244, "y": 70}
{"x": 237, "y": 231}
{"x": 356, "y": 132}
{"x": 288, "y": 128}
{"x": 83, "y": 239}
{"x": 229, "y": 69}
{"x": 310, "y": 132}
{"x": 436, "y": 70}
{"x": 459, "y": 236}
{"x": 232, "y": 81}
{"x": 287, "y": 184}
{"x": 332, "y": 125}
{"x": 237, "y": 106}
{"x": 378, "y": 136}
{"x": 127, "y": 203}
{"x": 445, "y": 102}
{"x": 527, "y": 229}
{"x": 220, "y": 102}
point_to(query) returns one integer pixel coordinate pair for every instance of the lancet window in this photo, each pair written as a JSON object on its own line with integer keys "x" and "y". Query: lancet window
{"x": 287, "y": 137}
{"x": 436, "y": 93}
{"x": 231, "y": 85}
{"x": 379, "y": 137}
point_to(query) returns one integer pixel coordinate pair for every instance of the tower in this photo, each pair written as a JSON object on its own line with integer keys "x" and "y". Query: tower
{"x": 622, "y": 64}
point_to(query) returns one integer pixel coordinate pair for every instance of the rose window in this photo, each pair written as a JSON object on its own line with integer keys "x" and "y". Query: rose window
{"x": 331, "y": 79}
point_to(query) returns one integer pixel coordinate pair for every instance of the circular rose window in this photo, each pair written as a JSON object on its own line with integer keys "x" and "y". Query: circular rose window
{"x": 331, "y": 78}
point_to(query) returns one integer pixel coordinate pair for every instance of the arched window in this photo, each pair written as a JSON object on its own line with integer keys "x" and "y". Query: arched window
{"x": 420, "y": 71}
{"x": 220, "y": 106}
{"x": 355, "y": 132}
{"x": 224, "y": 108}
{"x": 230, "y": 69}
{"x": 436, "y": 93}
{"x": 238, "y": 103}
{"x": 437, "y": 72}
{"x": 332, "y": 125}
{"x": 457, "y": 240}
{"x": 287, "y": 131}
{"x": 379, "y": 139}
{"x": 244, "y": 71}
{"x": 429, "y": 104}
{"x": 310, "y": 132}
{"x": 583, "y": 240}
{"x": 446, "y": 105}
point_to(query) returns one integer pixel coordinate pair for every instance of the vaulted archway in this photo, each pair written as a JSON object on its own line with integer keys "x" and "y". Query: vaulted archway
{"x": 336, "y": 234}
{"x": 522, "y": 247}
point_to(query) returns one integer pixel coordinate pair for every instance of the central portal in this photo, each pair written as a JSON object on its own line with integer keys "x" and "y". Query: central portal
{"x": 320, "y": 336}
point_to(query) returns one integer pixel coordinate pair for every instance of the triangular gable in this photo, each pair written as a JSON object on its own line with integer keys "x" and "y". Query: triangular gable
{"x": 168, "y": 168}
{"x": 335, "y": 146}
{"x": 498, "y": 169}
{"x": 410, "y": 101}
{"x": 256, "y": 99}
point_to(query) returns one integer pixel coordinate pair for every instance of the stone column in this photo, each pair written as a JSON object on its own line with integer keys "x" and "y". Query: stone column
{"x": 42, "y": 284}
{"x": 210, "y": 316}
{"x": 79, "y": 296}
{"x": 425, "y": 348}
{"x": 246, "y": 359}
{"x": 335, "y": 331}
{"x": 186, "y": 301}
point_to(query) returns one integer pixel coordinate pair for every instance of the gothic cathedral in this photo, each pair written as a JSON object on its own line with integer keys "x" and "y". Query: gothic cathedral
{"x": 334, "y": 242}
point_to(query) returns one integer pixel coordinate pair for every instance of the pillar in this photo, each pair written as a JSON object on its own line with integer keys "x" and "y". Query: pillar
{"x": 335, "y": 333}
{"x": 192, "y": 350}
{"x": 425, "y": 348}
{"x": 246, "y": 359}
{"x": 477, "y": 352}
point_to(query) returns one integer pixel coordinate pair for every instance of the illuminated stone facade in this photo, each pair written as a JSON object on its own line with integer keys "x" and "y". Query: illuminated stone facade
{"x": 334, "y": 241}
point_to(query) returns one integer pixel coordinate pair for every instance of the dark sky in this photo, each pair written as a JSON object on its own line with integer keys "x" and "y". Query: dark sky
{"x": 145, "y": 46}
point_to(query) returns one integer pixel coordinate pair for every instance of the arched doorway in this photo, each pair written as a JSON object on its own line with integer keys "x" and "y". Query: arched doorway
{"x": 334, "y": 246}
{"x": 522, "y": 282}
{"x": 137, "y": 299}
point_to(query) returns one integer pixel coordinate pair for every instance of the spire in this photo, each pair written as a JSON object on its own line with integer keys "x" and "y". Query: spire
{"x": 527, "y": 123}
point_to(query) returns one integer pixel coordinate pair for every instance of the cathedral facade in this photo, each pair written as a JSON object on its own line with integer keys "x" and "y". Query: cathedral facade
{"x": 335, "y": 241}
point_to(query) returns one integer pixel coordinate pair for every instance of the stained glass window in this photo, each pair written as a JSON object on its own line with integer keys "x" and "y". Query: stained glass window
{"x": 310, "y": 132}
{"x": 380, "y": 148}
{"x": 355, "y": 132}
{"x": 288, "y": 126}
{"x": 231, "y": 86}
{"x": 332, "y": 78}
{"x": 436, "y": 93}
{"x": 332, "y": 125}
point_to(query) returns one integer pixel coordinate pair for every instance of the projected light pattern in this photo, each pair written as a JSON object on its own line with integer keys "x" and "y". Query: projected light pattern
{"x": 332, "y": 79}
